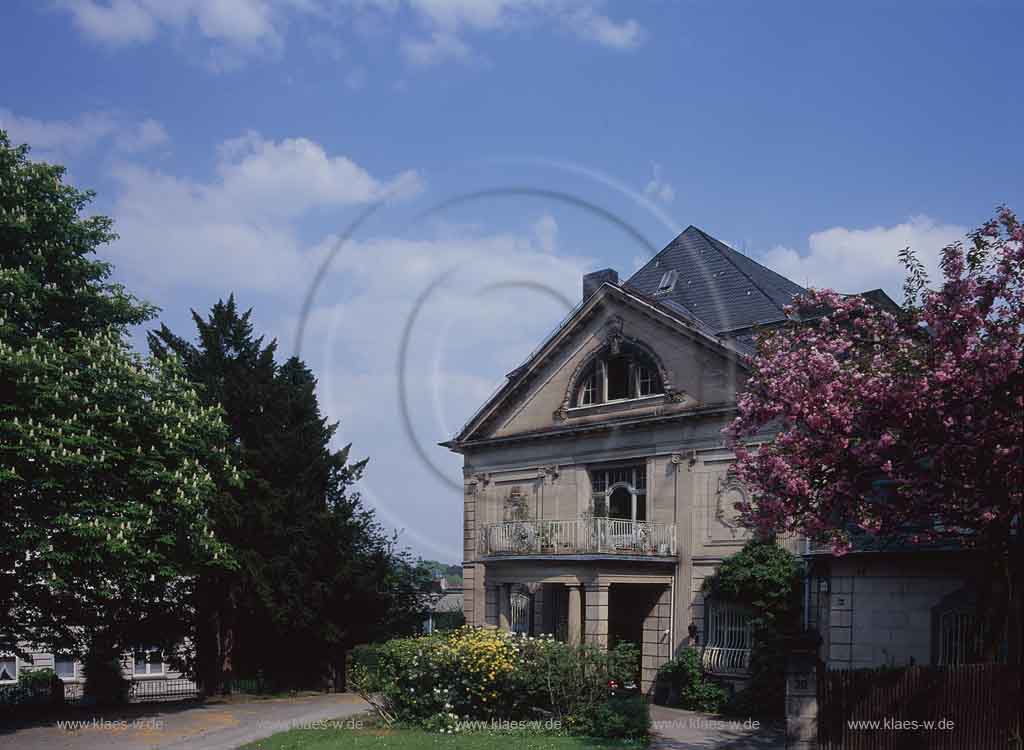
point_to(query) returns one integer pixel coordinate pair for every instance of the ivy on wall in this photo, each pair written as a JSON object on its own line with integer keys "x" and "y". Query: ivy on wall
{"x": 768, "y": 579}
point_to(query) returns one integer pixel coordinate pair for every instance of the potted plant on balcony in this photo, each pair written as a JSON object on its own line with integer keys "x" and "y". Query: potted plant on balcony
{"x": 644, "y": 537}
{"x": 546, "y": 535}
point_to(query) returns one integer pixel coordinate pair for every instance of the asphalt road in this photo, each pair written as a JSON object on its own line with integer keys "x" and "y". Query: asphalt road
{"x": 217, "y": 725}
{"x": 674, "y": 729}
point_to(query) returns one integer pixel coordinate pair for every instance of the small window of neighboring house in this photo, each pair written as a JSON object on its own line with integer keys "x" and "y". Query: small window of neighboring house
{"x": 959, "y": 639}
{"x": 668, "y": 281}
{"x": 958, "y": 632}
{"x": 8, "y": 668}
{"x": 149, "y": 661}
{"x": 64, "y": 666}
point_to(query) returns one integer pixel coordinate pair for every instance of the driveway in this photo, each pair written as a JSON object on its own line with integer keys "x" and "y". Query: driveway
{"x": 216, "y": 725}
{"x": 674, "y": 729}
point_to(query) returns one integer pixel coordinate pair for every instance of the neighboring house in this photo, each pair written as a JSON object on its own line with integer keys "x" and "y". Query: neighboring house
{"x": 145, "y": 663}
{"x": 446, "y": 611}
{"x": 597, "y": 495}
{"x": 889, "y": 603}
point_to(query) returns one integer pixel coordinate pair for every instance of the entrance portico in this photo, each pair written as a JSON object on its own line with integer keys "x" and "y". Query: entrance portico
{"x": 586, "y": 601}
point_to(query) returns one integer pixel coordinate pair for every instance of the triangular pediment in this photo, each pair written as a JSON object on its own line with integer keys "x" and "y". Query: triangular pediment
{"x": 694, "y": 368}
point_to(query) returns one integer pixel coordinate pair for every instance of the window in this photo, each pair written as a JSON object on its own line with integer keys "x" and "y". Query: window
{"x": 588, "y": 390}
{"x": 149, "y": 661}
{"x": 959, "y": 638}
{"x": 728, "y": 625}
{"x": 624, "y": 376}
{"x": 618, "y": 378}
{"x": 620, "y": 492}
{"x": 8, "y": 668}
{"x": 645, "y": 380}
{"x": 958, "y": 631}
{"x": 64, "y": 666}
{"x": 728, "y": 637}
{"x": 668, "y": 281}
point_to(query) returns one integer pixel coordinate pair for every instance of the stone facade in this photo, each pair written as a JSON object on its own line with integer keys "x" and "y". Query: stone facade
{"x": 531, "y": 449}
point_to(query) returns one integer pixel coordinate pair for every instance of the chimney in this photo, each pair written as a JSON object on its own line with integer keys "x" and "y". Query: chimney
{"x": 592, "y": 281}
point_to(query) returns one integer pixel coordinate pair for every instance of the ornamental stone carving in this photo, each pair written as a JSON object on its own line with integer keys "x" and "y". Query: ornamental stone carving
{"x": 730, "y": 493}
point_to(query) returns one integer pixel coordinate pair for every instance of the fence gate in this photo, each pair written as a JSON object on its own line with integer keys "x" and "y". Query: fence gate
{"x": 522, "y": 606}
{"x": 972, "y": 706}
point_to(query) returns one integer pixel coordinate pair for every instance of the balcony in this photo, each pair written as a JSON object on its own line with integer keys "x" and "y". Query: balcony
{"x": 580, "y": 536}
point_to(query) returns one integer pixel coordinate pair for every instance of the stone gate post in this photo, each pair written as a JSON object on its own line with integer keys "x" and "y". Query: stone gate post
{"x": 802, "y": 697}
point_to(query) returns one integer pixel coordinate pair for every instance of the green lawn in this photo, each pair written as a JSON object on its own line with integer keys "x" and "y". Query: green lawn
{"x": 330, "y": 738}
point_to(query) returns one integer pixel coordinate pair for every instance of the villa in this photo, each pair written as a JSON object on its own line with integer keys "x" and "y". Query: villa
{"x": 598, "y": 496}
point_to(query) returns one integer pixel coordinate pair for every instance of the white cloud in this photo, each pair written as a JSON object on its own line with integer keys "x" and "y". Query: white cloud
{"x": 449, "y": 19}
{"x": 295, "y": 175}
{"x": 599, "y": 28}
{"x": 238, "y": 29}
{"x": 65, "y": 138}
{"x": 439, "y": 47}
{"x": 855, "y": 260}
{"x": 240, "y": 22}
{"x": 148, "y": 134}
{"x": 120, "y": 22}
{"x": 659, "y": 188}
{"x": 238, "y": 230}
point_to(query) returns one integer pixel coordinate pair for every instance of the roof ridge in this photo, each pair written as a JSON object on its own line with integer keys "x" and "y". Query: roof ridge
{"x": 712, "y": 241}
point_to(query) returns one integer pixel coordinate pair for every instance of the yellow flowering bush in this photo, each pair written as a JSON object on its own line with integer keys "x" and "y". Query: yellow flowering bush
{"x": 482, "y": 674}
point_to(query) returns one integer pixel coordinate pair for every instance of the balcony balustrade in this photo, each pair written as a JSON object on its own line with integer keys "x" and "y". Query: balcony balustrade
{"x": 579, "y": 536}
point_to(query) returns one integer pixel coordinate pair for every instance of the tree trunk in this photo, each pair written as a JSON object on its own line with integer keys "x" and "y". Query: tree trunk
{"x": 208, "y": 639}
{"x": 227, "y": 644}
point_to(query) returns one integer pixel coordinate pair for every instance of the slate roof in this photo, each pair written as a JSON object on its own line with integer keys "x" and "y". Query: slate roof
{"x": 722, "y": 288}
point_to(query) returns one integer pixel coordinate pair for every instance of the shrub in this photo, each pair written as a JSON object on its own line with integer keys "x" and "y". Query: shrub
{"x": 483, "y": 674}
{"x": 33, "y": 688}
{"x": 38, "y": 680}
{"x": 617, "y": 717}
{"x": 104, "y": 681}
{"x": 689, "y": 686}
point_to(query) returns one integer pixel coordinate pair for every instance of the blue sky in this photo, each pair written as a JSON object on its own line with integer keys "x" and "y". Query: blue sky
{"x": 233, "y": 140}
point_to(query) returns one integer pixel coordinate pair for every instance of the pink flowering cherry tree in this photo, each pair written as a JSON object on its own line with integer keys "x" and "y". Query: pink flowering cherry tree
{"x": 901, "y": 422}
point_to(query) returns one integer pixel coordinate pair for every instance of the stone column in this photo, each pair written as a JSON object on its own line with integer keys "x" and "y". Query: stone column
{"x": 596, "y": 628}
{"x": 657, "y": 646}
{"x": 505, "y": 606}
{"x": 493, "y": 597}
{"x": 802, "y": 700}
{"x": 575, "y": 614}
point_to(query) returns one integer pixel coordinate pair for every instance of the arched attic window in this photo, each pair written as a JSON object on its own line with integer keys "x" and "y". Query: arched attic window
{"x": 618, "y": 377}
